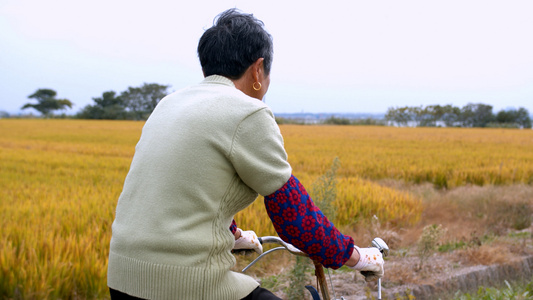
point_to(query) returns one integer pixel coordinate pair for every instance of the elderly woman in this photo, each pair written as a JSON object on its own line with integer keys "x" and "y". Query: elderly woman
{"x": 205, "y": 153}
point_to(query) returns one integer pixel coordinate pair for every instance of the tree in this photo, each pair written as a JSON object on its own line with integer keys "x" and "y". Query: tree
{"x": 523, "y": 118}
{"x": 141, "y": 101}
{"x": 451, "y": 115}
{"x": 476, "y": 115}
{"x": 390, "y": 116}
{"x": 47, "y": 102}
{"x": 416, "y": 114}
{"x": 400, "y": 115}
{"x": 518, "y": 117}
{"x": 432, "y": 114}
{"x": 429, "y": 115}
{"x": 505, "y": 116}
{"x": 109, "y": 107}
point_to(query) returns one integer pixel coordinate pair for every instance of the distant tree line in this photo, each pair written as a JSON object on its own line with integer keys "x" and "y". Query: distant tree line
{"x": 333, "y": 120}
{"x": 135, "y": 103}
{"x": 470, "y": 115}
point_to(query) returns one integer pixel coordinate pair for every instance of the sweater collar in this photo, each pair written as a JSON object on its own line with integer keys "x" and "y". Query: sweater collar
{"x": 217, "y": 79}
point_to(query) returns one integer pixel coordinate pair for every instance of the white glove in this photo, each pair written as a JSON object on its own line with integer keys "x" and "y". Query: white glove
{"x": 248, "y": 240}
{"x": 370, "y": 263}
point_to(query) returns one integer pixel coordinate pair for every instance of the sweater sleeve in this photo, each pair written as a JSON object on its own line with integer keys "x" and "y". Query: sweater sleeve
{"x": 257, "y": 153}
{"x": 298, "y": 221}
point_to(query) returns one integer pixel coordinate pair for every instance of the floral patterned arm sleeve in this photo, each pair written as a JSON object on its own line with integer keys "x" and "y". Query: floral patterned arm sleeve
{"x": 233, "y": 227}
{"x": 298, "y": 221}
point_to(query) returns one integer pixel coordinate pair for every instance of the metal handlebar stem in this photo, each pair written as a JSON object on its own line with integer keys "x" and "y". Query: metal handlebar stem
{"x": 384, "y": 249}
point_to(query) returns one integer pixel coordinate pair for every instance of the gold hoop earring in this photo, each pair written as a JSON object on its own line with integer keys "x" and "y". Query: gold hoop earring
{"x": 255, "y": 88}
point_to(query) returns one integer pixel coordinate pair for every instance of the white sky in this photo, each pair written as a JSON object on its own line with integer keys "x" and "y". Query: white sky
{"x": 330, "y": 56}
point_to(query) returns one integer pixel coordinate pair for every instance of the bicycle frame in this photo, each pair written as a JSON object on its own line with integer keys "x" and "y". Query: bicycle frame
{"x": 319, "y": 269}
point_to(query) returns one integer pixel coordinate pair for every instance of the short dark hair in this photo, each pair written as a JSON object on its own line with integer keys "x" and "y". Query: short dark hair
{"x": 235, "y": 41}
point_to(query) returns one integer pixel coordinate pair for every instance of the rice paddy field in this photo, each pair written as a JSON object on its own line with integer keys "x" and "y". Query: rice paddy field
{"x": 60, "y": 181}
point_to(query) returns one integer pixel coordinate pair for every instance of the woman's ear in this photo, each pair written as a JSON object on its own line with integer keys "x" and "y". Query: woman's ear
{"x": 258, "y": 70}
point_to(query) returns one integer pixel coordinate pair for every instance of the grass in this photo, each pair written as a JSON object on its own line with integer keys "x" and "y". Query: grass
{"x": 509, "y": 291}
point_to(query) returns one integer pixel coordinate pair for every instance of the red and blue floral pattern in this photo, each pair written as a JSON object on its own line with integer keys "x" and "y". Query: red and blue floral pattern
{"x": 298, "y": 221}
{"x": 233, "y": 227}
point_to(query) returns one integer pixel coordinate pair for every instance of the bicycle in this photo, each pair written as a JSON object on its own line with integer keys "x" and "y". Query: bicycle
{"x": 319, "y": 270}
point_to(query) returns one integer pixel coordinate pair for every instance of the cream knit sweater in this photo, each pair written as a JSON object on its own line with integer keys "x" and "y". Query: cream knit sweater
{"x": 204, "y": 154}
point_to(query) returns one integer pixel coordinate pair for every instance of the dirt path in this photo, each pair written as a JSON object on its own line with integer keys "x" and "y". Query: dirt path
{"x": 448, "y": 280}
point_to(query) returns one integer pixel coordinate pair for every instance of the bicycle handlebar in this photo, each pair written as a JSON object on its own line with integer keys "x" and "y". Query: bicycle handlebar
{"x": 279, "y": 241}
{"x": 377, "y": 242}
{"x": 275, "y": 240}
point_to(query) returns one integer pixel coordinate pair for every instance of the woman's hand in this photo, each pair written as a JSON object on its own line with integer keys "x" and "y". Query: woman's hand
{"x": 247, "y": 240}
{"x": 370, "y": 263}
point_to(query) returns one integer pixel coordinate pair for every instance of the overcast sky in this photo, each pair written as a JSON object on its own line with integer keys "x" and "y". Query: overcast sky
{"x": 330, "y": 56}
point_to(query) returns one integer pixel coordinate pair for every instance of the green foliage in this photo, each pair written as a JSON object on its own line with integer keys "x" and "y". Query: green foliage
{"x": 470, "y": 115}
{"x": 520, "y": 234}
{"x": 507, "y": 292}
{"x": 408, "y": 295}
{"x": 503, "y": 125}
{"x": 47, "y": 102}
{"x": 474, "y": 241}
{"x": 428, "y": 242}
{"x": 519, "y": 118}
{"x": 299, "y": 277}
{"x": 336, "y": 121}
{"x": 141, "y": 101}
{"x": 368, "y": 122}
{"x": 451, "y": 246}
{"x": 271, "y": 282}
{"x": 529, "y": 288}
{"x": 108, "y": 107}
{"x": 451, "y": 115}
{"x": 282, "y": 121}
{"x": 400, "y": 115}
{"x": 516, "y": 215}
{"x": 324, "y": 191}
{"x": 476, "y": 115}
{"x": 333, "y": 120}
{"x": 136, "y": 103}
